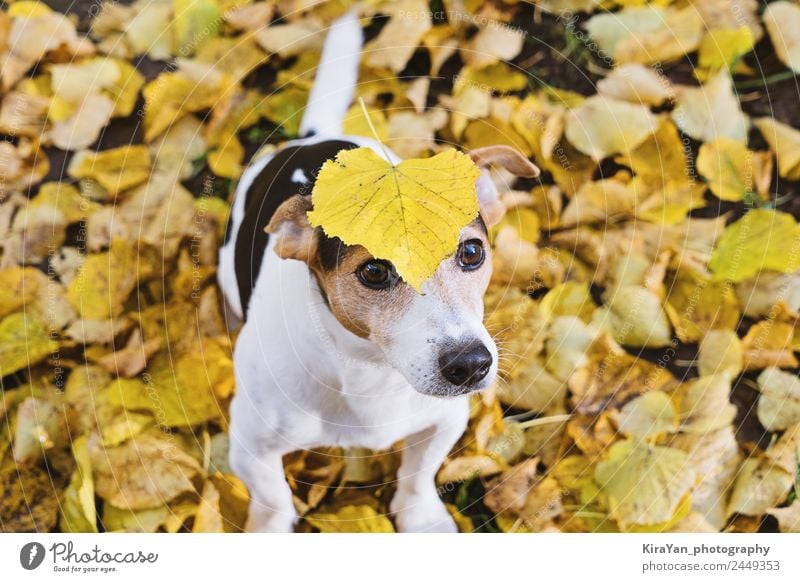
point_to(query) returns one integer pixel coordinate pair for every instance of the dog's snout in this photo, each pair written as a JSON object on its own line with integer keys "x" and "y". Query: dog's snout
{"x": 466, "y": 365}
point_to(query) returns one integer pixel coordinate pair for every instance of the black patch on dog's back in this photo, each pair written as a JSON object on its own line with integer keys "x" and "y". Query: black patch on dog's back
{"x": 271, "y": 188}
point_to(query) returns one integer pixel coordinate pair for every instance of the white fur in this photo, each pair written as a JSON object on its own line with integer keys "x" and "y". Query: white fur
{"x": 303, "y": 380}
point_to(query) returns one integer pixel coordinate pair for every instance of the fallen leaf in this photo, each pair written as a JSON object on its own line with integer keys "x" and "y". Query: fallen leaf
{"x": 782, "y": 20}
{"x": 720, "y": 350}
{"x": 636, "y": 83}
{"x": 396, "y": 42}
{"x": 729, "y": 168}
{"x": 115, "y": 170}
{"x": 24, "y": 341}
{"x": 195, "y": 23}
{"x": 104, "y": 282}
{"x": 785, "y": 143}
{"x": 711, "y": 111}
{"x": 647, "y": 415}
{"x": 779, "y": 403}
{"x": 722, "y": 48}
{"x": 757, "y": 241}
{"x": 144, "y": 472}
{"x": 78, "y": 511}
{"x": 601, "y": 126}
{"x": 644, "y": 483}
{"x": 83, "y": 128}
{"x": 351, "y": 519}
{"x": 704, "y": 404}
{"x": 492, "y": 44}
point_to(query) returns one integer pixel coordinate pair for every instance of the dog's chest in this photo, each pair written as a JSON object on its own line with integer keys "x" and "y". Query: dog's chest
{"x": 375, "y": 408}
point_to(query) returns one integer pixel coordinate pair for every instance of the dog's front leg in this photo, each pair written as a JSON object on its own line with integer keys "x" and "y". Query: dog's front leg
{"x": 271, "y": 508}
{"x": 416, "y": 504}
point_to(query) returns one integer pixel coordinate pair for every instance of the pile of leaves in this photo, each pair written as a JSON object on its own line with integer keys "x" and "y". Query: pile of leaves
{"x": 645, "y": 291}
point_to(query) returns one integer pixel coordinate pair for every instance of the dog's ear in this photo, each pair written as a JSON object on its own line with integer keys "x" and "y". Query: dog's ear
{"x": 507, "y": 157}
{"x": 294, "y": 234}
{"x": 492, "y": 209}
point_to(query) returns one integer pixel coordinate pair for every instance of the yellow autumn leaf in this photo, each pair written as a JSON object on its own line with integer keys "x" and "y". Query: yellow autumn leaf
{"x": 78, "y": 511}
{"x": 647, "y": 415}
{"x": 759, "y": 240}
{"x": 351, "y": 519}
{"x": 28, "y": 8}
{"x": 180, "y": 391}
{"x": 711, "y": 111}
{"x": 144, "y": 472}
{"x": 19, "y": 288}
{"x": 785, "y": 143}
{"x": 568, "y": 298}
{"x": 104, "y": 282}
{"x": 396, "y": 42}
{"x": 169, "y": 518}
{"x": 635, "y": 317}
{"x": 779, "y": 403}
{"x": 410, "y": 214}
{"x": 760, "y": 485}
{"x": 722, "y": 48}
{"x": 124, "y": 92}
{"x": 226, "y": 160}
{"x": 499, "y": 77}
{"x": 644, "y": 483}
{"x": 24, "y": 341}
{"x": 115, "y": 169}
{"x": 727, "y": 165}
{"x": 646, "y": 34}
{"x": 697, "y": 304}
{"x": 636, "y": 83}
{"x": 195, "y": 23}
{"x": 355, "y": 122}
{"x": 720, "y": 350}
{"x": 704, "y": 404}
{"x": 601, "y": 126}
{"x": 782, "y": 20}
{"x": 170, "y": 96}
{"x": 73, "y": 82}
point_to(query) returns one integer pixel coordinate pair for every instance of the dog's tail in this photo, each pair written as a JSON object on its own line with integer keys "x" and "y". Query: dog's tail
{"x": 336, "y": 79}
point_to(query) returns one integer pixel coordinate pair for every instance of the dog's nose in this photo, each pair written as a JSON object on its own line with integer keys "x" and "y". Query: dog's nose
{"x": 466, "y": 365}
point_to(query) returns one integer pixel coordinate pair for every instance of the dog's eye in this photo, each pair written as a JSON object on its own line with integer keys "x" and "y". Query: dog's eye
{"x": 470, "y": 254}
{"x": 376, "y": 274}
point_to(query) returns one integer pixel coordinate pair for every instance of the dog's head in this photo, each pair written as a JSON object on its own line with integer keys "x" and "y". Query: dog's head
{"x": 435, "y": 339}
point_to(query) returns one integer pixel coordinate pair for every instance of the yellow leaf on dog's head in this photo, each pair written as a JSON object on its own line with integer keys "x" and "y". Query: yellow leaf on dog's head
{"x": 410, "y": 214}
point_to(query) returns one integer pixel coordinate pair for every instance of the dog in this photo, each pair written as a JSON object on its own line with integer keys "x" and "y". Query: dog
{"x": 335, "y": 349}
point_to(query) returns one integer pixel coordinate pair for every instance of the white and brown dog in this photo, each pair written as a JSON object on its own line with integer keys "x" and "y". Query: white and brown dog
{"x": 336, "y": 349}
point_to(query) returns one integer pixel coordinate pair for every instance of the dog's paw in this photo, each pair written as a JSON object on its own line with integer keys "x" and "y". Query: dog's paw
{"x": 268, "y": 521}
{"x": 423, "y": 516}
